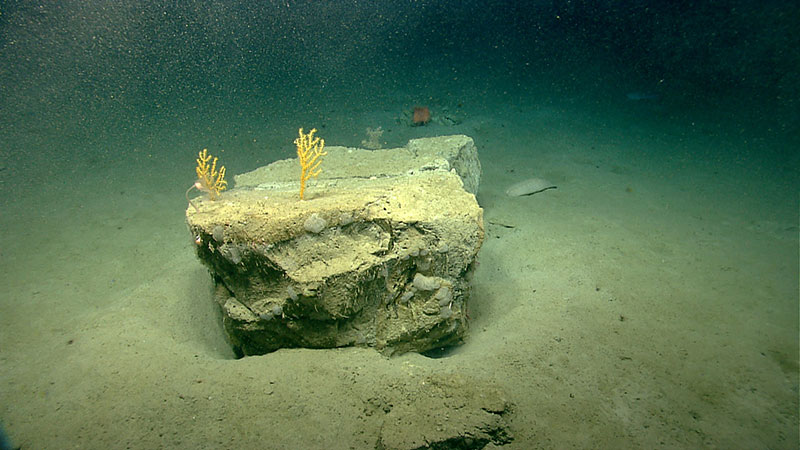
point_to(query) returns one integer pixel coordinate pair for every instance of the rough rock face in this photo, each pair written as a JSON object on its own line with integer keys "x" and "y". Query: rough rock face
{"x": 379, "y": 254}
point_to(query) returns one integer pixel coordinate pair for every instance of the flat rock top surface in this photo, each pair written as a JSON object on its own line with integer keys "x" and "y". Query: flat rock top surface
{"x": 406, "y": 184}
{"x": 346, "y": 162}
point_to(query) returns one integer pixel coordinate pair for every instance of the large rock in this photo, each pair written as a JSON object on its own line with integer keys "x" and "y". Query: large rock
{"x": 378, "y": 254}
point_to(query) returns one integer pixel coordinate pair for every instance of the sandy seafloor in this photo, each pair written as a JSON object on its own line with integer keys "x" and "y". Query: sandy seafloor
{"x": 651, "y": 301}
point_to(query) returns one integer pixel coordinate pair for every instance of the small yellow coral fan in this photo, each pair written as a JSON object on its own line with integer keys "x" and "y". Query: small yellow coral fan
{"x": 309, "y": 151}
{"x": 208, "y": 179}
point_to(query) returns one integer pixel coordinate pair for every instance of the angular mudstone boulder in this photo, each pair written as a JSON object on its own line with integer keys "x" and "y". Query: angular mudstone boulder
{"x": 379, "y": 253}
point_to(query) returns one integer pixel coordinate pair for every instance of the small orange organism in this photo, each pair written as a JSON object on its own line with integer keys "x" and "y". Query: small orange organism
{"x": 309, "y": 151}
{"x": 208, "y": 179}
{"x": 421, "y": 116}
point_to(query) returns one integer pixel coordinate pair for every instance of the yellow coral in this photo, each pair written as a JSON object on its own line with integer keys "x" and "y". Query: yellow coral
{"x": 309, "y": 151}
{"x": 209, "y": 179}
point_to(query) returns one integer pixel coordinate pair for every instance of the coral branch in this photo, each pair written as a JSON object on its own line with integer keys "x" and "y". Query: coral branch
{"x": 310, "y": 151}
{"x": 208, "y": 179}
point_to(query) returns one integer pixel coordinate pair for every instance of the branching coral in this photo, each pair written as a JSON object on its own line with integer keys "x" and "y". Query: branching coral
{"x": 208, "y": 179}
{"x": 309, "y": 151}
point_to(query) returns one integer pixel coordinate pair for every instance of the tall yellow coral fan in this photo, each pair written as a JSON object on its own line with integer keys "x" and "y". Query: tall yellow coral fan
{"x": 309, "y": 151}
{"x": 208, "y": 179}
